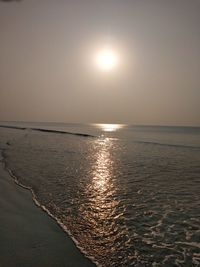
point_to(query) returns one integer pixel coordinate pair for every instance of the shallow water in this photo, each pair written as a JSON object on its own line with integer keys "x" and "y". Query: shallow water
{"x": 130, "y": 196}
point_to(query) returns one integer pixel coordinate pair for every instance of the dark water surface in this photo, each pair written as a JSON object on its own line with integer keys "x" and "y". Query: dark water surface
{"x": 129, "y": 196}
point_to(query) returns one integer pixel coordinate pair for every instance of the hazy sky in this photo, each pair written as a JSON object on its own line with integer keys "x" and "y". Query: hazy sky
{"x": 47, "y": 71}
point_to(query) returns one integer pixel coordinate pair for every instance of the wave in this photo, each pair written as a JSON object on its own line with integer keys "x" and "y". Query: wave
{"x": 61, "y": 132}
{"x": 13, "y": 127}
{"x": 37, "y": 203}
{"x": 164, "y": 144}
{"x": 46, "y": 130}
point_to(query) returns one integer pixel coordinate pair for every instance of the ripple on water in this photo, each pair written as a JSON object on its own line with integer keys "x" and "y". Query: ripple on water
{"x": 126, "y": 204}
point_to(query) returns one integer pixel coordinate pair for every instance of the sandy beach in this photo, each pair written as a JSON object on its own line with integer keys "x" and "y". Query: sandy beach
{"x": 28, "y": 236}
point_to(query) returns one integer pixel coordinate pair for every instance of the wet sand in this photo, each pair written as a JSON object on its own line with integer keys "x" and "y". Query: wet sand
{"x": 28, "y": 236}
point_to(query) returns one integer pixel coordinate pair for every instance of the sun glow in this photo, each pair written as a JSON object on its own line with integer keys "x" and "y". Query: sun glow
{"x": 106, "y": 60}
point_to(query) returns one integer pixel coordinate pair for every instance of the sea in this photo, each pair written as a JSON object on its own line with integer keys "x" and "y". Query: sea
{"x": 127, "y": 195}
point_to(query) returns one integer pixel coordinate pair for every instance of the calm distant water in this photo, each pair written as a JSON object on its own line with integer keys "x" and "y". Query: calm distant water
{"x": 129, "y": 196}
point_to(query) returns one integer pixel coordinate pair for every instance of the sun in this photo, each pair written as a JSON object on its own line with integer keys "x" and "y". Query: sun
{"x": 106, "y": 59}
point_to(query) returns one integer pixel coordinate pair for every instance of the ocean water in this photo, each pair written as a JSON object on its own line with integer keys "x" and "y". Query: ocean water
{"x": 128, "y": 195}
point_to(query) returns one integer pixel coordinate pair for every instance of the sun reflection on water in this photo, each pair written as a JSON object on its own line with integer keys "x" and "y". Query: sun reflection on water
{"x": 103, "y": 167}
{"x": 103, "y": 210}
{"x": 102, "y": 187}
{"x": 109, "y": 127}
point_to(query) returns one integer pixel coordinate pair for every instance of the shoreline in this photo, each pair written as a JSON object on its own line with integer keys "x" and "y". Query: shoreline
{"x": 30, "y": 235}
